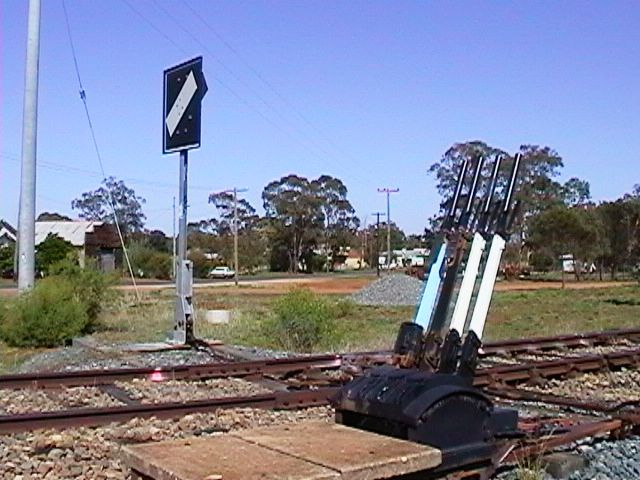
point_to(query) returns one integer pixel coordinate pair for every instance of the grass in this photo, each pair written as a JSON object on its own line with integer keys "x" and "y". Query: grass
{"x": 555, "y": 312}
{"x": 512, "y": 315}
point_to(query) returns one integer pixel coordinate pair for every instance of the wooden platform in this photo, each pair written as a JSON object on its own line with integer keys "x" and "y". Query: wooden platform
{"x": 303, "y": 451}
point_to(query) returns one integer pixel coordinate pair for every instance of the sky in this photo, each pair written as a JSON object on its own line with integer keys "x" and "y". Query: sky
{"x": 371, "y": 92}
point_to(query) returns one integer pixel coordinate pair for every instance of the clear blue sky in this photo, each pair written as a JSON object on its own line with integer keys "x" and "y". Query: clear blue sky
{"x": 371, "y": 92}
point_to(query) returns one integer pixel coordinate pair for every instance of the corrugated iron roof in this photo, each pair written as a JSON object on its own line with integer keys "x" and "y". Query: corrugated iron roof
{"x": 72, "y": 232}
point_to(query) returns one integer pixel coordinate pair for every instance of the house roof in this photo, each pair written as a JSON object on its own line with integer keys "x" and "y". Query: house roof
{"x": 72, "y": 232}
{"x": 7, "y": 229}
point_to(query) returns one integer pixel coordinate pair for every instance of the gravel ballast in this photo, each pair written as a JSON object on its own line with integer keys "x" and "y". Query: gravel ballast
{"x": 394, "y": 289}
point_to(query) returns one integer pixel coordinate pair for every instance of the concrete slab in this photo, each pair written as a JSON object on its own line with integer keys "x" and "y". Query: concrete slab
{"x": 355, "y": 454}
{"x": 304, "y": 451}
{"x": 218, "y": 458}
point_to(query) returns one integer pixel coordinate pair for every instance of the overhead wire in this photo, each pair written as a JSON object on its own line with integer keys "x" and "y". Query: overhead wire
{"x": 262, "y": 78}
{"x": 83, "y": 97}
{"x": 231, "y": 72}
{"x": 64, "y": 168}
{"x": 215, "y": 77}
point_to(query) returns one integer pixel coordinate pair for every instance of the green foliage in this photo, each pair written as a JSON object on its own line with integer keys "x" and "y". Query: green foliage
{"x": 302, "y": 214}
{"x": 47, "y": 316}
{"x": 95, "y": 205}
{"x": 201, "y": 264}
{"x": 7, "y": 254}
{"x": 64, "y": 305}
{"x": 302, "y": 321}
{"x": 51, "y": 251}
{"x": 91, "y": 286}
{"x": 148, "y": 262}
{"x": 541, "y": 262}
{"x": 561, "y": 230}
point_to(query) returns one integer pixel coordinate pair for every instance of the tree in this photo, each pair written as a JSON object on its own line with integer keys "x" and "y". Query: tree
{"x": 302, "y": 215}
{"x": 620, "y": 222}
{"x": 96, "y": 205}
{"x": 341, "y": 223}
{"x": 52, "y": 217}
{"x": 251, "y": 242}
{"x": 52, "y": 250}
{"x": 536, "y": 191}
{"x": 7, "y": 254}
{"x": 561, "y": 230}
{"x": 576, "y": 192}
{"x": 294, "y": 213}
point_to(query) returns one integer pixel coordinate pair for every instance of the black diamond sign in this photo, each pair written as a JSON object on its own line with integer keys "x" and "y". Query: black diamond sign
{"x": 184, "y": 88}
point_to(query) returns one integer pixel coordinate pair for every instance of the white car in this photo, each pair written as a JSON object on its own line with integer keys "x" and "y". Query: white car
{"x": 221, "y": 272}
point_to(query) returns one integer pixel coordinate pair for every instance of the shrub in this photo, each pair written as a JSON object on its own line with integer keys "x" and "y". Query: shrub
{"x": 51, "y": 251}
{"x": 90, "y": 286}
{"x": 46, "y": 316}
{"x": 201, "y": 264}
{"x": 301, "y": 321}
{"x": 149, "y": 263}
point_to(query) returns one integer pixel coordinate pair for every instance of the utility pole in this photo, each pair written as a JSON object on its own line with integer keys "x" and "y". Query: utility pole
{"x": 378, "y": 214}
{"x": 27, "y": 210}
{"x": 388, "y": 191}
{"x": 173, "y": 267}
{"x": 235, "y": 191}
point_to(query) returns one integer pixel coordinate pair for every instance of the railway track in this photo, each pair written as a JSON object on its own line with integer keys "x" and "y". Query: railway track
{"x": 308, "y": 381}
{"x": 497, "y": 379}
{"x": 241, "y": 369}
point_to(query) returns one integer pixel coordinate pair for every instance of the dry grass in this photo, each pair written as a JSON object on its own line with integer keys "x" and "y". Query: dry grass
{"x": 514, "y": 314}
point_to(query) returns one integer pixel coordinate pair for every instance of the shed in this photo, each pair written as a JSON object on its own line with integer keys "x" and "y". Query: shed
{"x": 96, "y": 240}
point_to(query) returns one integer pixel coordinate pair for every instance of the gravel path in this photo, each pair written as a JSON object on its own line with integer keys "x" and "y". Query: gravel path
{"x": 93, "y": 453}
{"x": 177, "y": 391}
{"x": 618, "y": 386}
{"x": 24, "y": 401}
{"x": 390, "y": 290}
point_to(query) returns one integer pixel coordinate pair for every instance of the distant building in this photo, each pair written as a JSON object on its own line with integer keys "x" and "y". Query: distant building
{"x": 7, "y": 234}
{"x": 97, "y": 240}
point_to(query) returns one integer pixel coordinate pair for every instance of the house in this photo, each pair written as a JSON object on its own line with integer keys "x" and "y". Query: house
{"x": 7, "y": 234}
{"x": 97, "y": 240}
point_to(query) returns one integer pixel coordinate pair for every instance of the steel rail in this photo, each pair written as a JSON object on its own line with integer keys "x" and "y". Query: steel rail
{"x": 179, "y": 372}
{"x": 531, "y": 371}
{"x": 493, "y": 377}
{"x": 560, "y": 342}
{"x": 101, "y": 416}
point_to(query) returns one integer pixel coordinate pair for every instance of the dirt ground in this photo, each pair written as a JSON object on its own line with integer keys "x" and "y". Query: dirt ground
{"x": 347, "y": 285}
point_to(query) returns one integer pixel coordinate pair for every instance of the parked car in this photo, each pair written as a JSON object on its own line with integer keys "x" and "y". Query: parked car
{"x": 221, "y": 272}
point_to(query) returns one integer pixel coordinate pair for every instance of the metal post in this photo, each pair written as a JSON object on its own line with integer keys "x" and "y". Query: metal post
{"x": 388, "y": 234}
{"x": 377, "y": 214}
{"x": 183, "y": 327}
{"x": 173, "y": 267}
{"x": 235, "y": 235}
{"x": 388, "y": 191}
{"x": 27, "y": 211}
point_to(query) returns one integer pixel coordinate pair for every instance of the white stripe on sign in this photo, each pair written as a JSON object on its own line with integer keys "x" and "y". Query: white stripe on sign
{"x": 182, "y": 102}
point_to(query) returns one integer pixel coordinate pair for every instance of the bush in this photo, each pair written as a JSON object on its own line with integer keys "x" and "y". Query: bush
{"x": 51, "y": 251}
{"x": 60, "y": 307}
{"x": 201, "y": 264}
{"x": 90, "y": 286}
{"x": 46, "y": 316}
{"x": 301, "y": 322}
{"x": 149, "y": 263}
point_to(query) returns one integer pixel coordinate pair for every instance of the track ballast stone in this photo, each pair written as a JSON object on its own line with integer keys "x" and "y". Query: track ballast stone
{"x": 395, "y": 289}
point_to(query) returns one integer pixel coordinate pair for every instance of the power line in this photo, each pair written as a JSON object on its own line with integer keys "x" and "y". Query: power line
{"x": 261, "y": 77}
{"x": 232, "y": 91}
{"x": 83, "y": 97}
{"x": 64, "y": 168}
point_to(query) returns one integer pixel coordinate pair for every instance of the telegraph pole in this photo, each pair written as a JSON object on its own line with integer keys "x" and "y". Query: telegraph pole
{"x": 378, "y": 214}
{"x": 235, "y": 191}
{"x": 388, "y": 191}
{"x": 27, "y": 210}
